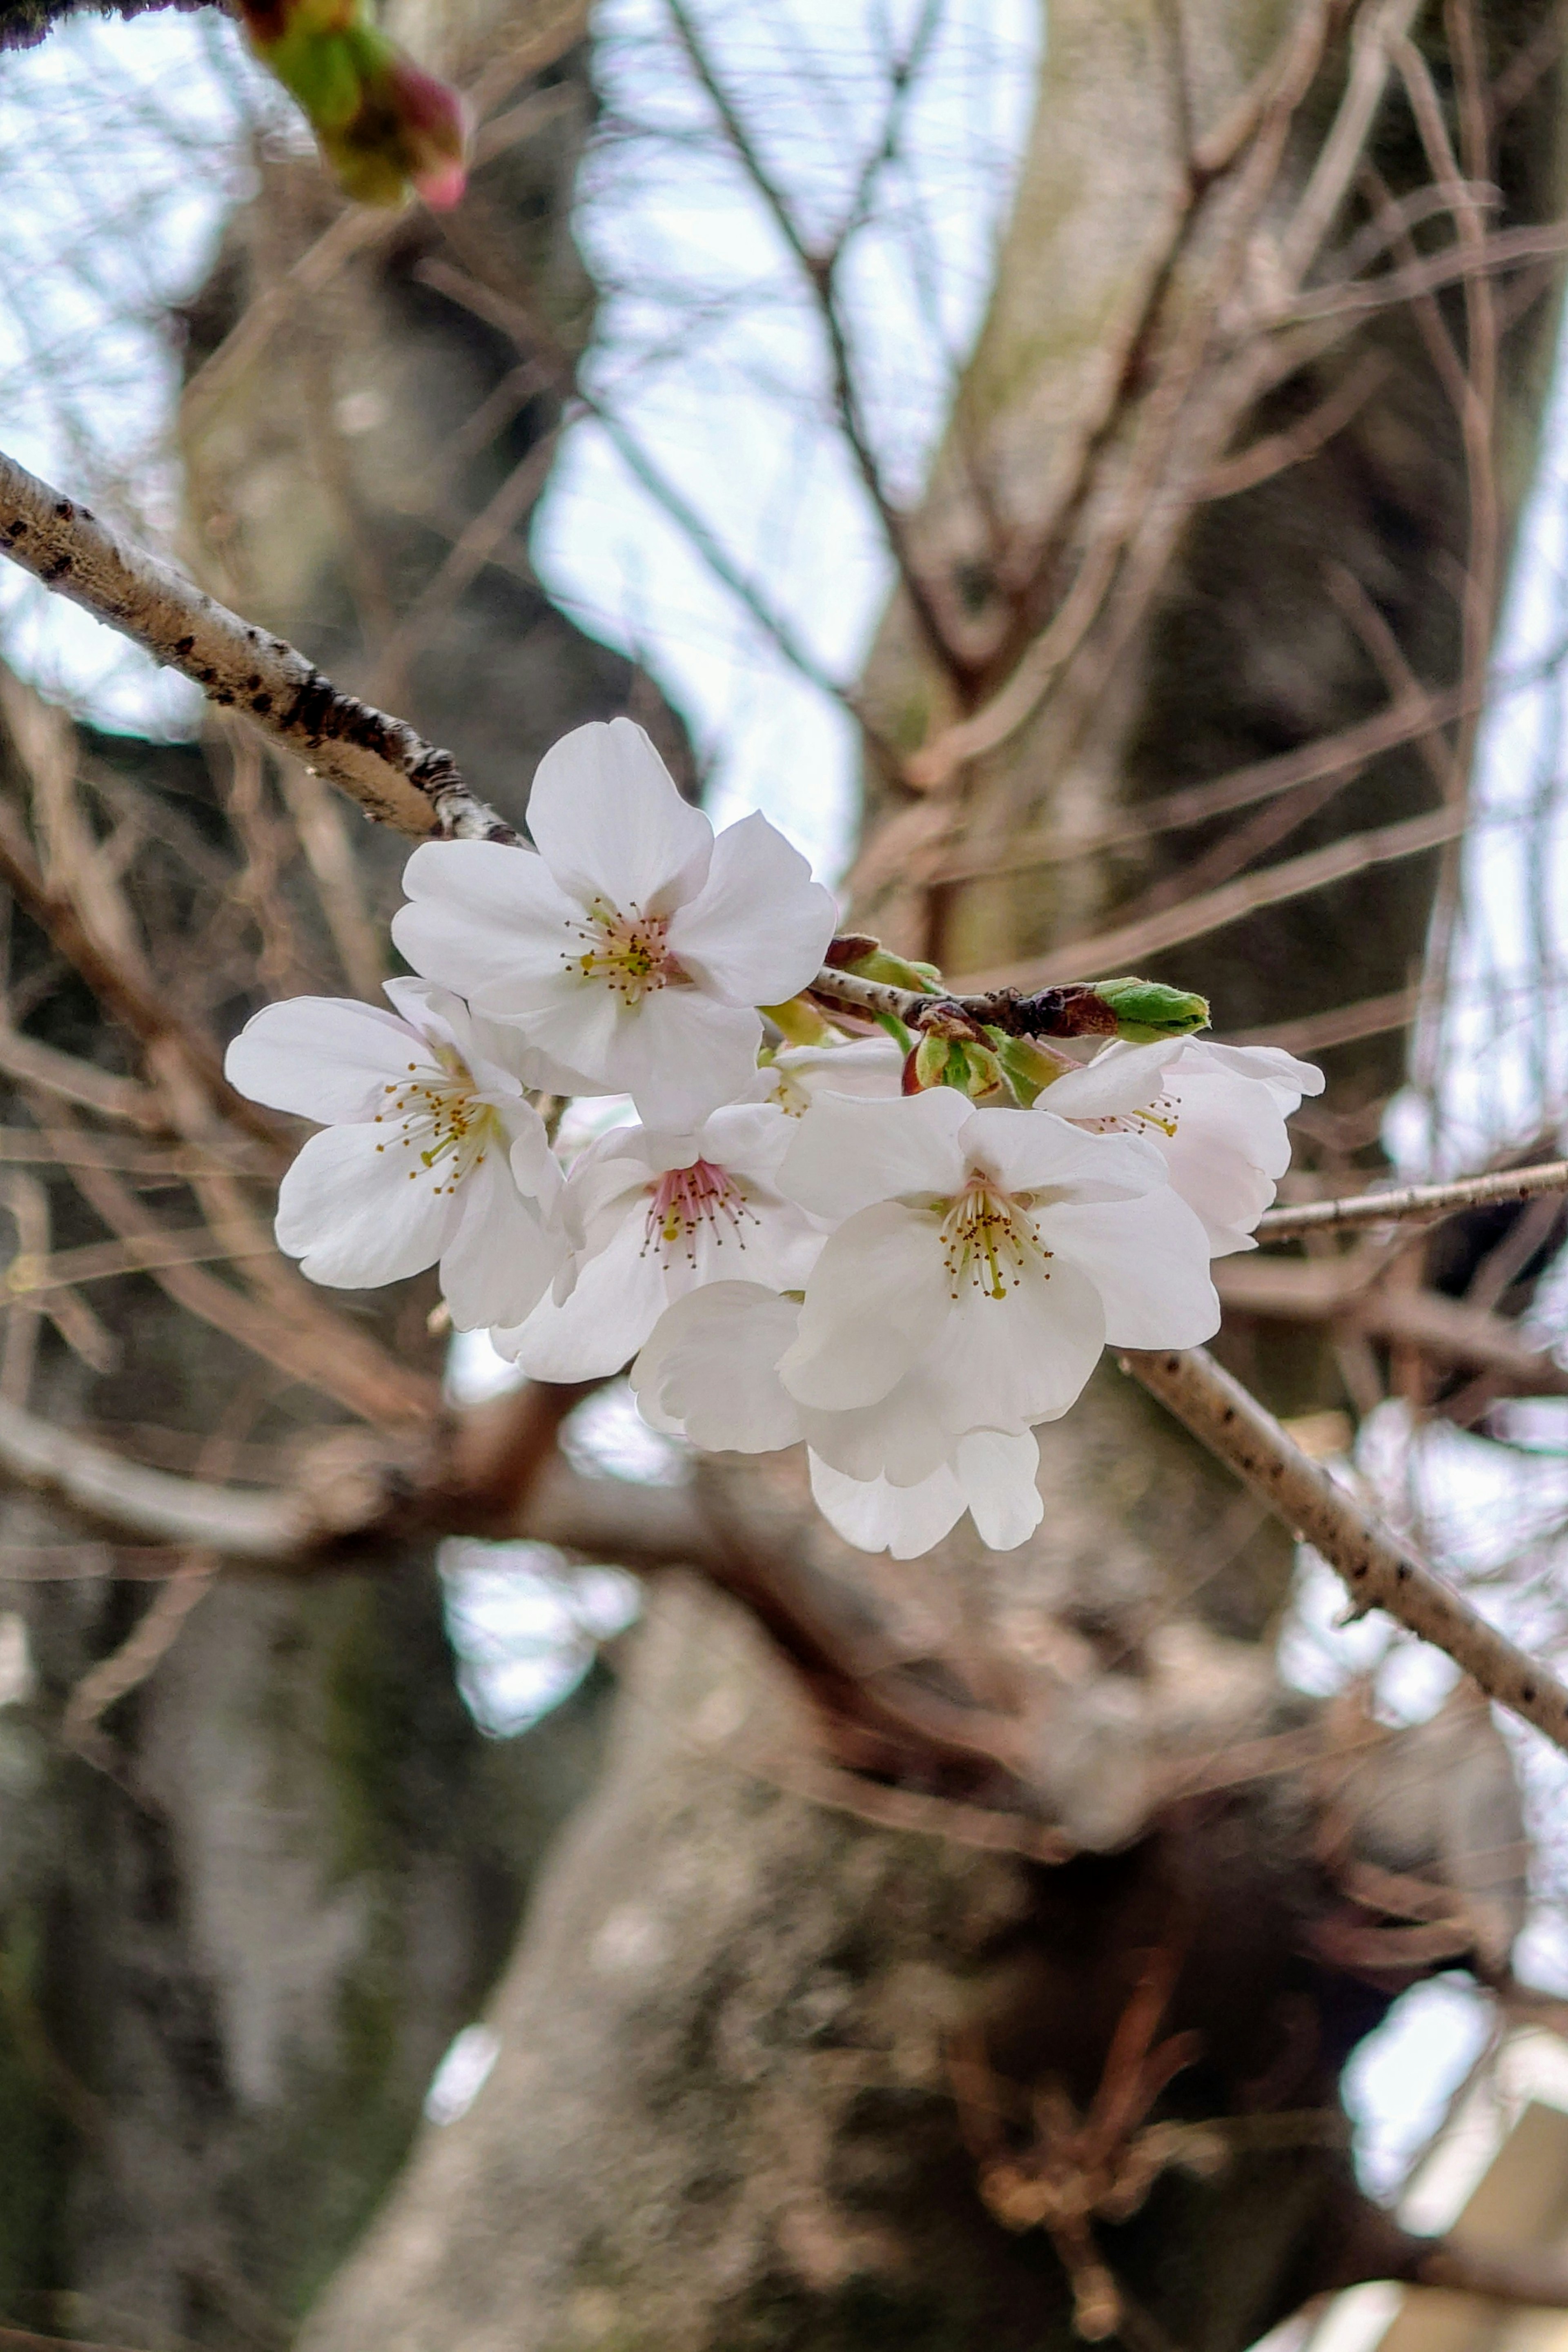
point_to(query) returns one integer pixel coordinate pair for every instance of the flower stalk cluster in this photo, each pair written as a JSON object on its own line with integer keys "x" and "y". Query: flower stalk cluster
{"x": 804, "y": 1194}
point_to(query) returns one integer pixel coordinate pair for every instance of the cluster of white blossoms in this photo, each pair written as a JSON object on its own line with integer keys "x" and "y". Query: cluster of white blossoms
{"x": 906, "y": 1253}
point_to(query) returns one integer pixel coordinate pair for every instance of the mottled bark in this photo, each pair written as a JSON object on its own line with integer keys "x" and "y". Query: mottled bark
{"x": 725, "y": 2114}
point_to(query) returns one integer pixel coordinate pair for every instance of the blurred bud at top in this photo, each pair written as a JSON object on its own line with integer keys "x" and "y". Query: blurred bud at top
{"x": 384, "y": 126}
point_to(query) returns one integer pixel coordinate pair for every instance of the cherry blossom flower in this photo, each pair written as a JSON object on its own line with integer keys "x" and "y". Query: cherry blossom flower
{"x": 651, "y": 1215}
{"x": 991, "y": 1252}
{"x": 632, "y": 949}
{"x": 887, "y": 1476}
{"x": 1215, "y": 1113}
{"x": 430, "y": 1154}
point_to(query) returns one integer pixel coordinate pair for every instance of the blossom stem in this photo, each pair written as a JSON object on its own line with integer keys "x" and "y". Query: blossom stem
{"x": 1075, "y": 1010}
{"x": 1378, "y": 1570}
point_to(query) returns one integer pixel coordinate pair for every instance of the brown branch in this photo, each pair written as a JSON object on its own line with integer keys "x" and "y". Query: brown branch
{"x": 1511, "y": 2274}
{"x": 378, "y": 761}
{"x": 111, "y": 1491}
{"x": 1378, "y": 1570}
{"x": 1415, "y": 1200}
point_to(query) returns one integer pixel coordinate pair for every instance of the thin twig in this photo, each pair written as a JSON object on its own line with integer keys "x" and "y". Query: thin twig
{"x": 1112, "y": 951}
{"x": 1415, "y": 1200}
{"x": 1377, "y": 1569}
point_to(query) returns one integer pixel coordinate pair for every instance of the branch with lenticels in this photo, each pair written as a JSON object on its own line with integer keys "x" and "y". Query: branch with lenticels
{"x": 401, "y": 781}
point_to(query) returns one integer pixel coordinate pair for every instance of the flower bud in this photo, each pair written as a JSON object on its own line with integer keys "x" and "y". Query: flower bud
{"x": 383, "y": 124}
{"x": 926, "y": 1064}
{"x": 799, "y": 1021}
{"x": 1147, "y": 1011}
{"x": 867, "y": 959}
{"x": 1027, "y": 1066}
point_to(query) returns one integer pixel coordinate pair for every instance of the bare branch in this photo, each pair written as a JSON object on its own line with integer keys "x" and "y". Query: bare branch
{"x": 114, "y": 1491}
{"x": 378, "y": 761}
{"x": 1379, "y": 1572}
{"x": 1500, "y": 2275}
{"x": 1415, "y": 1200}
{"x": 1293, "y": 879}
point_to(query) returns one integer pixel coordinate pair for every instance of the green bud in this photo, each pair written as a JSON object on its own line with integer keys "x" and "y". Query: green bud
{"x": 1147, "y": 1011}
{"x": 897, "y": 972}
{"x": 931, "y": 1056}
{"x": 799, "y": 1020}
{"x": 1027, "y": 1066}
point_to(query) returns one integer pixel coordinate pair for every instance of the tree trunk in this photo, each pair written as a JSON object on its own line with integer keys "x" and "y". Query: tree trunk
{"x": 234, "y": 1948}
{"x": 733, "y": 2035}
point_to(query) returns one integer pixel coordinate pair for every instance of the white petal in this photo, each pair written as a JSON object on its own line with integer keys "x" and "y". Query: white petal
{"x": 1033, "y": 1150}
{"x": 1119, "y": 1078}
{"x": 680, "y": 1054}
{"x": 710, "y": 1370}
{"x": 574, "y": 1021}
{"x": 610, "y": 822}
{"x": 899, "y": 1438}
{"x": 999, "y": 1476}
{"x": 478, "y": 911}
{"x": 868, "y": 1068}
{"x": 1149, "y": 1260}
{"x": 875, "y": 1516}
{"x": 499, "y": 1060}
{"x": 353, "y": 1215}
{"x": 619, "y": 1296}
{"x": 848, "y": 1154}
{"x": 326, "y": 1058}
{"x": 504, "y": 1255}
{"x": 875, "y": 1299}
{"x": 1009, "y": 1362}
{"x": 1278, "y": 1070}
{"x": 757, "y": 930}
{"x": 535, "y": 1171}
{"x": 1230, "y": 1145}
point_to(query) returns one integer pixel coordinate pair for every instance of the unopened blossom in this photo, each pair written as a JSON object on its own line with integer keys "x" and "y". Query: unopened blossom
{"x": 887, "y": 1476}
{"x": 1215, "y": 1113}
{"x": 633, "y": 946}
{"x": 429, "y": 1153}
{"x": 651, "y": 1215}
{"x": 991, "y": 1252}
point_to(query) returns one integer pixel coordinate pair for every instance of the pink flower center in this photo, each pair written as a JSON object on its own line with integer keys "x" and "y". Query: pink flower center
{"x": 990, "y": 1240}
{"x": 627, "y": 952}
{"x": 684, "y": 1200}
{"x": 438, "y": 1123}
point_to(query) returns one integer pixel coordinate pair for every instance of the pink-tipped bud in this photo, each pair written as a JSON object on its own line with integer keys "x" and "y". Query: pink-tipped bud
{"x": 434, "y": 133}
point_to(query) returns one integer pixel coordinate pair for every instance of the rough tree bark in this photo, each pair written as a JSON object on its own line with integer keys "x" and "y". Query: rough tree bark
{"x": 724, "y": 2112}
{"x": 229, "y": 1963}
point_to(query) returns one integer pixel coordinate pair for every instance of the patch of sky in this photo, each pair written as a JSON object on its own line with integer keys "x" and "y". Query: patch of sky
{"x": 711, "y": 376}
{"x": 123, "y": 147}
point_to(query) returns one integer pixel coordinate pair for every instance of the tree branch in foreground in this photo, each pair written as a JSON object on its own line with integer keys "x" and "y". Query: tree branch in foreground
{"x": 394, "y": 774}
{"x": 1378, "y": 1570}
